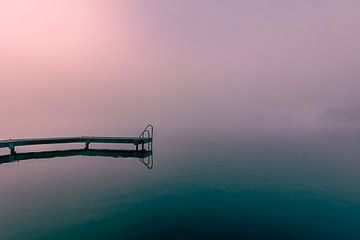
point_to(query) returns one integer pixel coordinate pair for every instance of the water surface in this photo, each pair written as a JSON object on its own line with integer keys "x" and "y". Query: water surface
{"x": 201, "y": 187}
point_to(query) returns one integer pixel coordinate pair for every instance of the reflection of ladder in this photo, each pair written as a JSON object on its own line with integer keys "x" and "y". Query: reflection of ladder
{"x": 147, "y": 134}
{"x": 148, "y": 161}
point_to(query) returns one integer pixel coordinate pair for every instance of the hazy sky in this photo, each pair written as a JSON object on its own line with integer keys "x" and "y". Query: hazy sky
{"x": 103, "y": 66}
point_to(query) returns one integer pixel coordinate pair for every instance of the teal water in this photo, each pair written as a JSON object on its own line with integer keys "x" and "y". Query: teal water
{"x": 201, "y": 187}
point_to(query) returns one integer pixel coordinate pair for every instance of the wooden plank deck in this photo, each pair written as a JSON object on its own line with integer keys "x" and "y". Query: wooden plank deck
{"x": 145, "y": 138}
{"x": 40, "y": 141}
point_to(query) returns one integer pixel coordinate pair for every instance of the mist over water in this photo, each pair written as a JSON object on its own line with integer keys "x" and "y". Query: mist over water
{"x": 255, "y": 106}
{"x": 91, "y": 67}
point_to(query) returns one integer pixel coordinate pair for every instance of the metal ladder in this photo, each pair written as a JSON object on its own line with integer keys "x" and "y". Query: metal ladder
{"x": 148, "y": 133}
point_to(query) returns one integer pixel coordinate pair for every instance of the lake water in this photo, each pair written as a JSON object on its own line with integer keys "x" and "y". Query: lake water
{"x": 230, "y": 186}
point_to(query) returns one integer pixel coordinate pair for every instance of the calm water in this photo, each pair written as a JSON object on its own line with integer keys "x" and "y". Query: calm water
{"x": 231, "y": 187}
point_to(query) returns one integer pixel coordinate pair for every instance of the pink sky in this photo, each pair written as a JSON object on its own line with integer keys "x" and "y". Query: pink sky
{"x": 87, "y": 66}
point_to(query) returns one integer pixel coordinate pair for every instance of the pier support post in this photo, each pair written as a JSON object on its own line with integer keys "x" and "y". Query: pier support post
{"x": 12, "y": 149}
{"x": 87, "y": 145}
{"x": 142, "y": 147}
{"x": 137, "y": 147}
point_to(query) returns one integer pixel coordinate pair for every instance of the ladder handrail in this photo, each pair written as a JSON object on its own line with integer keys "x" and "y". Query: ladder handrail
{"x": 149, "y": 130}
{"x": 142, "y": 135}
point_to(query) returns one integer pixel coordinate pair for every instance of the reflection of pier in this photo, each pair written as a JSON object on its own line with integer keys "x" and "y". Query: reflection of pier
{"x": 144, "y": 156}
{"x": 145, "y": 140}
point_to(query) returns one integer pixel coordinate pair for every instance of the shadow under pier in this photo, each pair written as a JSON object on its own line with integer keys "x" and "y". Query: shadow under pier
{"x": 145, "y": 156}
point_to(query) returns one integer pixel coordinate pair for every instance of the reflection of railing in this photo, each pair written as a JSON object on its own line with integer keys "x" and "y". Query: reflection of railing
{"x": 145, "y": 157}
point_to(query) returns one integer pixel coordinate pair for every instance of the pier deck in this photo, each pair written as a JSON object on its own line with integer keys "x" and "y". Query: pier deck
{"x": 144, "y": 139}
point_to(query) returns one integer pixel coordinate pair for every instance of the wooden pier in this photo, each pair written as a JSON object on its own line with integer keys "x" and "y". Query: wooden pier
{"x": 144, "y": 140}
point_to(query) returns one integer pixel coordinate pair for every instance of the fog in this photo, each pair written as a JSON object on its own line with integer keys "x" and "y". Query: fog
{"x": 109, "y": 67}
